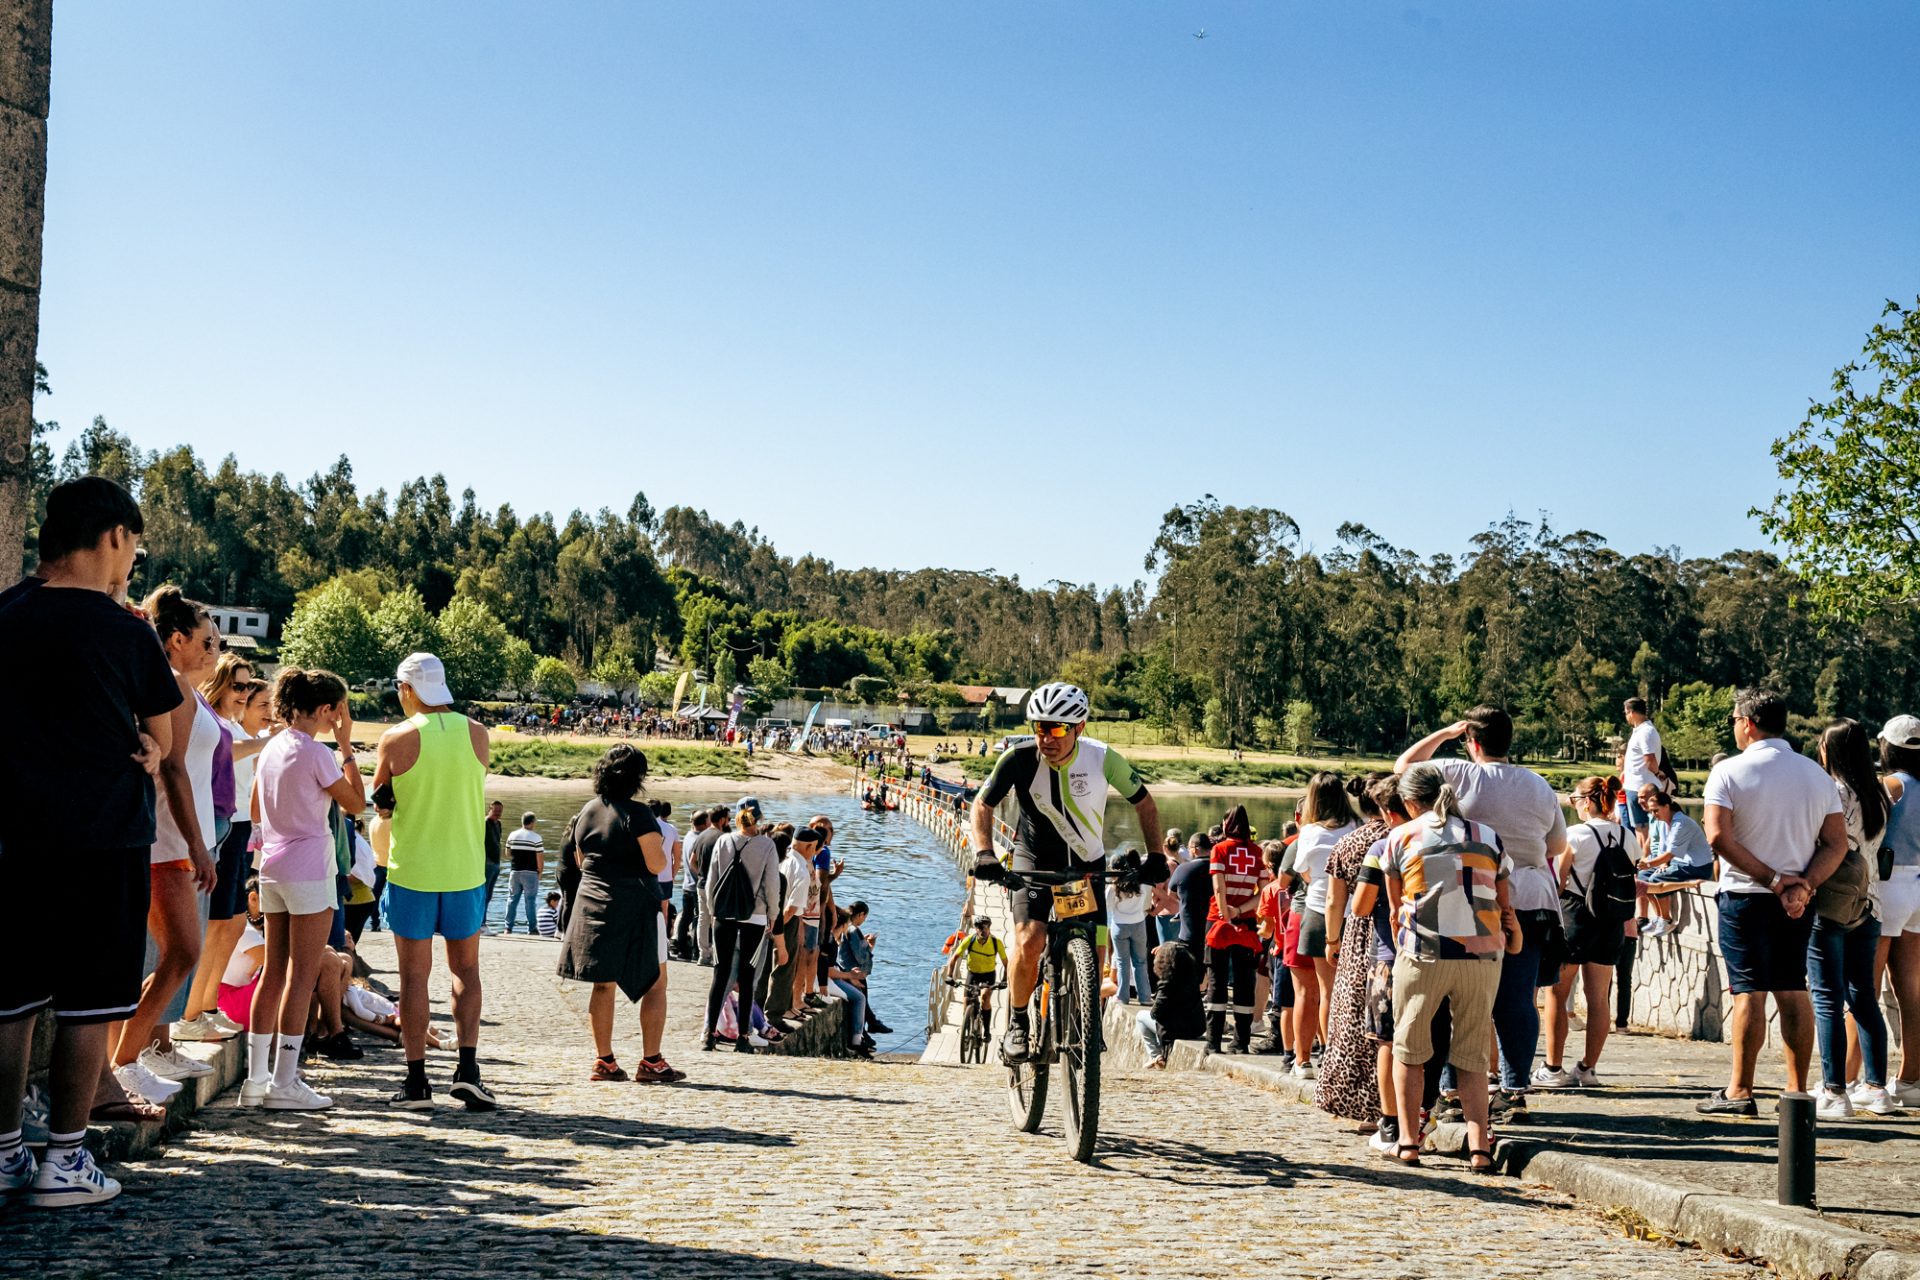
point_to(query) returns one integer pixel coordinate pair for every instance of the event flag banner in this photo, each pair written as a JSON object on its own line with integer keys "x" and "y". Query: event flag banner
{"x": 680, "y": 692}
{"x": 806, "y": 730}
{"x": 733, "y": 713}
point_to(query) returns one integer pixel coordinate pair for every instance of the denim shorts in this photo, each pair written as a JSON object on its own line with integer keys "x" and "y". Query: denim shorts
{"x": 1765, "y": 949}
{"x": 1634, "y": 816}
{"x": 1677, "y": 873}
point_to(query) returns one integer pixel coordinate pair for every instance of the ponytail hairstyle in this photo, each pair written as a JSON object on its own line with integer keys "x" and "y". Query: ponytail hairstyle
{"x": 1426, "y": 786}
{"x": 301, "y": 693}
{"x": 1597, "y": 792}
{"x": 1327, "y": 803}
{"x": 1235, "y": 825}
{"x": 224, "y": 680}
{"x": 1362, "y": 790}
{"x": 172, "y": 614}
{"x": 618, "y": 774}
{"x": 1849, "y": 758}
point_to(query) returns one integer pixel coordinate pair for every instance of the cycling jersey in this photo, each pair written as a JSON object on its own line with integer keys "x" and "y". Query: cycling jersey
{"x": 1062, "y": 809}
{"x": 982, "y": 957}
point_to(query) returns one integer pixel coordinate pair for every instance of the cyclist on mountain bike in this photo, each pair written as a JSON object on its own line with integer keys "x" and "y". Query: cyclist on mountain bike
{"x": 1060, "y": 782}
{"x": 986, "y": 961}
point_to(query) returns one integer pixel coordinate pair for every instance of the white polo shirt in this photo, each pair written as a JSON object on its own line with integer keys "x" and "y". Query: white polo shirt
{"x": 1779, "y": 800}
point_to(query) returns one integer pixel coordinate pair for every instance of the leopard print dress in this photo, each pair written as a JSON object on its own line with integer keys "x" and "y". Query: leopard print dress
{"x": 1346, "y": 1086}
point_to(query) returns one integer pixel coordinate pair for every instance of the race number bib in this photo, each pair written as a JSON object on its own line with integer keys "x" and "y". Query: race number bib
{"x": 1071, "y": 900}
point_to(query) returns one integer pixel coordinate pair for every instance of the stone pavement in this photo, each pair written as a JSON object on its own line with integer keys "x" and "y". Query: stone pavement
{"x": 795, "y": 1168}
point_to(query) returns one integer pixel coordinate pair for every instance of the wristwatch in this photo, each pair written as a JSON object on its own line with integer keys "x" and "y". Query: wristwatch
{"x": 1775, "y": 882}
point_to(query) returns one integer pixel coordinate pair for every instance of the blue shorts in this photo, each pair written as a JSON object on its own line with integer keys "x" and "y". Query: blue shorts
{"x": 811, "y": 935}
{"x": 414, "y": 914}
{"x": 1632, "y": 814}
{"x": 1765, "y": 948}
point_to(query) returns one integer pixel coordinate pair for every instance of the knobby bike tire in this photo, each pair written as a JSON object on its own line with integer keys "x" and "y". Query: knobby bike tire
{"x": 1027, "y": 1081}
{"x": 1079, "y": 1013}
{"x": 973, "y": 1036}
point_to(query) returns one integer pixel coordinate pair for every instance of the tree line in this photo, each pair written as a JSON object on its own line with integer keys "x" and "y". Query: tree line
{"x": 1246, "y": 637}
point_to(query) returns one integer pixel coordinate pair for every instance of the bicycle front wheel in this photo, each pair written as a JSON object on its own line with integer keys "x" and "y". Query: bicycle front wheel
{"x": 1027, "y": 1081}
{"x": 1079, "y": 1014}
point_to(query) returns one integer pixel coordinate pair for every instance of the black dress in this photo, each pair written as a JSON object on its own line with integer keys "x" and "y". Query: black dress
{"x": 613, "y": 912}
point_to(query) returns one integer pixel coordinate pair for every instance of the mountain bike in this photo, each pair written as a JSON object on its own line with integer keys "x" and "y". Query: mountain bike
{"x": 1063, "y": 1022}
{"x": 975, "y": 1031}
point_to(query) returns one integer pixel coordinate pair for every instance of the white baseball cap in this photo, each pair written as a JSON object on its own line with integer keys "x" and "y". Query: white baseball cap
{"x": 427, "y": 677}
{"x": 1902, "y": 731}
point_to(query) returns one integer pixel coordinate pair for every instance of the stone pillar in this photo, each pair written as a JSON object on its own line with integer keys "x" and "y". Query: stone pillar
{"x": 26, "y": 52}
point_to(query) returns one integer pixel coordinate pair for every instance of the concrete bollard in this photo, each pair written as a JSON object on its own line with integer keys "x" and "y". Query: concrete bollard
{"x": 1796, "y": 1186}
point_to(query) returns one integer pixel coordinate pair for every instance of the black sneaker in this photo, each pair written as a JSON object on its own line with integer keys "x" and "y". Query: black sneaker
{"x": 413, "y": 1097}
{"x": 1718, "y": 1103}
{"x": 340, "y": 1048}
{"x": 470, "y": 1091}
{"x": 878, "y": 1027}
{"x": 1013, "y": 1045}
{"x": 1448, "y": 1110}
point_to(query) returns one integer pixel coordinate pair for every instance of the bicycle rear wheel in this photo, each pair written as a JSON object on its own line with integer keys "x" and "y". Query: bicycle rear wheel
{"x": 1079, "y": 1014}
{"x": 1027, "y": 1081}
{"x": 973, "y": 1035}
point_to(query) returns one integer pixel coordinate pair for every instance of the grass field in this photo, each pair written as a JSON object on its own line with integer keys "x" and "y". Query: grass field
{"x": 548, "y": 758}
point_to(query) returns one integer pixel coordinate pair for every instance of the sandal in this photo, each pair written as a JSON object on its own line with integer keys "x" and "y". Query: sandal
{"x": 127, "y": 1111}
{"x": 1473, "y": 1165}
{"x": 1400, "y": 1153}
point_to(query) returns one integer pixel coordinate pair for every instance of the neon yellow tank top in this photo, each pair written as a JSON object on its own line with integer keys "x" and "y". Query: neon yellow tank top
{"x": 439, "y": 823}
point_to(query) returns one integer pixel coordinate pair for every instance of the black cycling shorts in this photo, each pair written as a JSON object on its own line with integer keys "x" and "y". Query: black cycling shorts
{"x": 1036, "y": 902}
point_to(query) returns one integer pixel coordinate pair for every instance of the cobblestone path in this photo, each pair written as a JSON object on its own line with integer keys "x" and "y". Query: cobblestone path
{"x": 787, "y": 1167}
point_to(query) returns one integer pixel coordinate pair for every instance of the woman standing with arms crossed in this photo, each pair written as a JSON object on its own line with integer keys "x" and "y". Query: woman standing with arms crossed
{"x": 182, "y": 866}
{"x": 297, "y": 781}
{"x": 616, "y": 935}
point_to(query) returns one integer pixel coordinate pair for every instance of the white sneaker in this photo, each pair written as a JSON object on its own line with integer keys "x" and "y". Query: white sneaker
{"x": 1379, "y": 1144}
{"x": 17, "y": 1173}
{"x": 1304, "y": 1071}
{"x": 201, "y": 1029}
{"x": 1545, "y": 1077}
{"x": 1834, "y": 1105}
{"x": 225, "y": 1023}
{"x": 756, "y": 1040}
{"x": 1876, "y": 1100}
{"x": 1587, "y": 1076}
{"x": 253, "y": 1092}
{"x": 171, "y": 1064}
{"x": 70, "y": 1179}
{"x": 143, "y": 1084}
{"x": 298, "y": 1096}
{"x": 1905, "y": 1092}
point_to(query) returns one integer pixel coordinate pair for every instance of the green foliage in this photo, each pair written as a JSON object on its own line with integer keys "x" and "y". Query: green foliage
{"x": 517, "y": 660}
{"x": 402, "y": 626}
{"x": 474, "y": 645}
{"x": 330, "y": 629}
{"x": 1297, "y": 733}
{"x": 553, "y": 680}
{"x": 770, "y": 677}
{"x": 656, "y": 688}
{"x": 867, "y": 688}
{"x": 1852, "y": 467}
{"x": 1693, "y": 721}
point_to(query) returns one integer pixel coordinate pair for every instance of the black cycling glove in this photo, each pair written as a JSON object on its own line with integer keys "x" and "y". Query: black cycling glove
{"x": 988, "y": 868}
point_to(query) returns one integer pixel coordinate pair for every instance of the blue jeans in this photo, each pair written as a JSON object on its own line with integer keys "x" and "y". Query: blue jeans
{"x": 856, "y": 1009}
{"x": 526, "y": 888}
{"x": 1516, "y": 1018}
{"x": 1840, "y": 978}
{"x": 493, "y": 877}
{"x": 1150, "y": 1033}
{"x": 1168, "y": 928}
{"x": 1130, "y": 950}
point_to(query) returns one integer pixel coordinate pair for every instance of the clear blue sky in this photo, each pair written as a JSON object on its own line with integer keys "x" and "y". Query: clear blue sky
{"x": 1046, "y": 269}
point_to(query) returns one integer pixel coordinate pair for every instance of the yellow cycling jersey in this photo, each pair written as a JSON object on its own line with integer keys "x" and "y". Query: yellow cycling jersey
{"x": 981, "y": 956}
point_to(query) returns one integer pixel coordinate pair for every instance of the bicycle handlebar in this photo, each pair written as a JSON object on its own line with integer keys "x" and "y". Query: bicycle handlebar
{"x": 1047, "y": 879}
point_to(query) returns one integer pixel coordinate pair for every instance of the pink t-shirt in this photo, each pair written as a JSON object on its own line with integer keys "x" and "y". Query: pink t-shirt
{"x": 292, "y": 780}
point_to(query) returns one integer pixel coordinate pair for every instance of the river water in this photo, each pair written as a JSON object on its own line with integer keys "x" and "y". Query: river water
{"x": 905, "y": 876}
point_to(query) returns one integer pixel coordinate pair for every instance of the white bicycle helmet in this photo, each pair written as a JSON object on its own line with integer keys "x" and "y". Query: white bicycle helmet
{"x": 1059, "y": 703}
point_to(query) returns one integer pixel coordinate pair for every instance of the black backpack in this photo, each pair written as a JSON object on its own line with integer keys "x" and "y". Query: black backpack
{"x": 733, "y": 897}
{"x": 1611, "y": 887}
